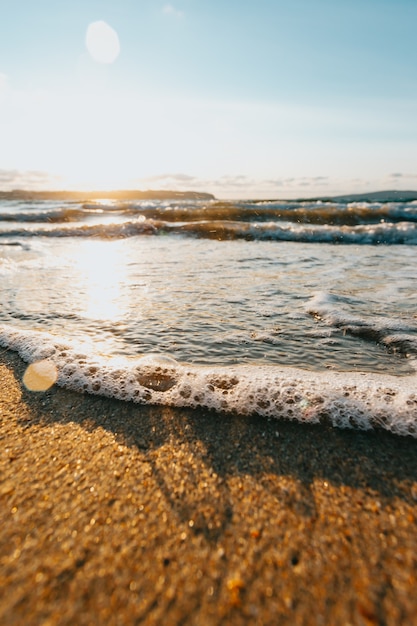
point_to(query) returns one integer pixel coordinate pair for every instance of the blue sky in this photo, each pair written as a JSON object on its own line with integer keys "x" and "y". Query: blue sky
{"x": 280, "y": 98}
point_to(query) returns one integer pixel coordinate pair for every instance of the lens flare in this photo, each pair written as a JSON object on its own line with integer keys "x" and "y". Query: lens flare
{"x": 40, "y": 376}
{"x": 102, "y": 42}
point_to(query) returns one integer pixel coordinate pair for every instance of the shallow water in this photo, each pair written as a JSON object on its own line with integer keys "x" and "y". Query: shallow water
{"x": 211, "y": 302}
{"x": 220, "y": 303}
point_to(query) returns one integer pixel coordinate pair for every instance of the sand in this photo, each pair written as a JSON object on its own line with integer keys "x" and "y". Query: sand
{"x": 114, "y": 513}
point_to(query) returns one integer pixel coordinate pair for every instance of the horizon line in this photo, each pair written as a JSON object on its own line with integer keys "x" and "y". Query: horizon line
{"x": 165, "y": 194}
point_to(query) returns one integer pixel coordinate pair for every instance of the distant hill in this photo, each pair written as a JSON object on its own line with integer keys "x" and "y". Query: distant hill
{"x": 150, "y": 194}
{"x": 377, "y": 196}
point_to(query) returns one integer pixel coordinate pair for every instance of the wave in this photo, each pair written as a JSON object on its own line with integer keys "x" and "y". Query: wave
{"x": 385, "y": 233}
{"x": 104, "y": 231}
{"x": 352, "y": 214}
{"x": 316, "y": 212}
{"x": 304, "y": 221}
{"x": 345, "y": 400}
{"x": 401, "y": 233}
{"x": 398, "y": 336}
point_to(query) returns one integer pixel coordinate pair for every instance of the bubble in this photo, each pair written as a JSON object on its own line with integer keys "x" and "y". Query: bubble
{"x": 157, "y": 381}
{"x": 156, "y": 358}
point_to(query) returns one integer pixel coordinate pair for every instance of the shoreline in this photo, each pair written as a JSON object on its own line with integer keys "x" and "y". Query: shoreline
{"x": 119, "y": 513}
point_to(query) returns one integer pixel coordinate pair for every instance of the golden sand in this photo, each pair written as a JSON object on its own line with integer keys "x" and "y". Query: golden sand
{"x": 113, "y": 513}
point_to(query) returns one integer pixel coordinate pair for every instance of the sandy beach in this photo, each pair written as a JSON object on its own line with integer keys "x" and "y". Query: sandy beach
{"x": 114, "y": 513}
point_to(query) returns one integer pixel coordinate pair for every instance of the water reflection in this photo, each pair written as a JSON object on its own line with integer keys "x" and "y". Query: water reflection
{"x": 101, "y": 274}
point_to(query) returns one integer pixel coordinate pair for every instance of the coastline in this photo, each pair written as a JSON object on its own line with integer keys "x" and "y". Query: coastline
{"x": 116, "y": 513}
{"x": 122, "y": 195}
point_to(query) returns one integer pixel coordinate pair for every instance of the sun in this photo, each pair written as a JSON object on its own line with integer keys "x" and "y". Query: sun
{"x": 102, "y": 42}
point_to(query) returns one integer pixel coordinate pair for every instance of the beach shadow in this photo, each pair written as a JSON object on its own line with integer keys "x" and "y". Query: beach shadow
{"x": 198, "y": 456}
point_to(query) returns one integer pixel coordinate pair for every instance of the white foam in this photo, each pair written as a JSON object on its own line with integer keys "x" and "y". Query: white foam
{"x": 371, "y": 234}
{"x": 353, "y": 400}
{"x": 393, "y": 333}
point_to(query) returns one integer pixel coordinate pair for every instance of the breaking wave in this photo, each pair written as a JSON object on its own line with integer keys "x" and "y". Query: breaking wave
{"x": 373, "y": 223}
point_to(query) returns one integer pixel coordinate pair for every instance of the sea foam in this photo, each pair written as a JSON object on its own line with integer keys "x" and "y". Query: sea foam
{"x": 395, "y": 334}
{"x": 346, "y": 400}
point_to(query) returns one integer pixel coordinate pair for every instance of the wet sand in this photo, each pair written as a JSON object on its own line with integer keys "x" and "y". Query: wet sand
{"x": 114, "y": 513}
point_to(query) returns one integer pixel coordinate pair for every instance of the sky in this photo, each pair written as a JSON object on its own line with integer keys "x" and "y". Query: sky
{"x": 243, "y": 99}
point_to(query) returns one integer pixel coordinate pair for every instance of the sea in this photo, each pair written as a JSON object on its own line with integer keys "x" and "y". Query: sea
{"x": 299, "y": 309}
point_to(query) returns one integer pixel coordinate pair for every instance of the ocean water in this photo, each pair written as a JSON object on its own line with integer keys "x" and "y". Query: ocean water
{"x": 303, "y": 310}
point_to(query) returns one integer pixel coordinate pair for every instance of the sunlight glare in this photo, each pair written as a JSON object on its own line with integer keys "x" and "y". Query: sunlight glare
{"x": 102, "y": 42}
{"x": 102, "y": 276}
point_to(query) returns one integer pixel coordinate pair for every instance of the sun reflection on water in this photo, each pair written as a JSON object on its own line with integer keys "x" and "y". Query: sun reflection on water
{"x": 102, "y": 275}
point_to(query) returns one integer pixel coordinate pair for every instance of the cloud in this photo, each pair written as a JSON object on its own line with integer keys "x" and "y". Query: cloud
{"x": 26, "y": 179}
{"x": 401, "y": 177}
{"x": 301, "y": 181}
{"x": 167, "y": 178}
{"x": 168, "y": 9}
{"x": 3, "y": 81}
{"x": 179, "y": 181}
{"x": 239, "y": 185}
{"x": 228, "y": 186}
{"x": 4, "y": 86}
